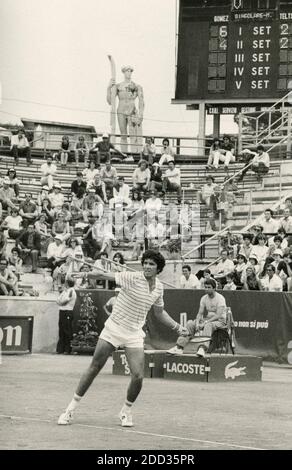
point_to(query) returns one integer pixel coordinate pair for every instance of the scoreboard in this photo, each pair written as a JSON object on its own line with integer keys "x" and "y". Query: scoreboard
{"x": 233, "y": 51}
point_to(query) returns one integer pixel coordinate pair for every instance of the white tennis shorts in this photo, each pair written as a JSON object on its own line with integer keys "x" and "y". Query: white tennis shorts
{"x": 119, "y": 336}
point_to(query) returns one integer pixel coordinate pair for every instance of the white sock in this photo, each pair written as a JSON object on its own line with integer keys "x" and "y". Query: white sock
{"x": 127, "y": 407}
{"x": 74, "y": 403}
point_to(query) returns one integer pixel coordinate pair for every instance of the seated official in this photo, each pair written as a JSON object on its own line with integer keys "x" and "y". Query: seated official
{"x": 211, "y": 317}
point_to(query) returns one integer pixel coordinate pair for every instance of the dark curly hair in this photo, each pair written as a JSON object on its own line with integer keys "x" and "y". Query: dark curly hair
{"x": 156, "y": 257}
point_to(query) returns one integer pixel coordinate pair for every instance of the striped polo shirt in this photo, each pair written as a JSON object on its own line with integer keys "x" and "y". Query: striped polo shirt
{"x": 135, "y": 300}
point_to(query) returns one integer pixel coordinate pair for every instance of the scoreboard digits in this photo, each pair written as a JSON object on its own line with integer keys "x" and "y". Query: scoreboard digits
{"x": 234, "y": 54}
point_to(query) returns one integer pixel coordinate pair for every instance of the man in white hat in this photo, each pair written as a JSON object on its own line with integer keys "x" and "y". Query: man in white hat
{"x": 129, "y": 117}
{"x": 103, "y": 149}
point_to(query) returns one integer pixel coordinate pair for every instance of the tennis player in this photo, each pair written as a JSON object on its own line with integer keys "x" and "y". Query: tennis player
{"x": 139, "y": 292}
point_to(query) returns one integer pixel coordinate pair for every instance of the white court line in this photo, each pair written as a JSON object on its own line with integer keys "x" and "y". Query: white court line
{"x": 165, "y": 436}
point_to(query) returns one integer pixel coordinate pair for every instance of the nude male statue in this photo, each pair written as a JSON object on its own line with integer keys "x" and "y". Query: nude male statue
{"x": 129, "y": 117}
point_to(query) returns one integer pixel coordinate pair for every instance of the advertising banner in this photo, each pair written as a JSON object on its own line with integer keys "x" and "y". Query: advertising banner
{"x": 16, "y": 334}
{"x": 263, "y": 320}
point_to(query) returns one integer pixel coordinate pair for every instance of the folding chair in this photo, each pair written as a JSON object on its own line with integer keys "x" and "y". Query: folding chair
{"x": 223, "y": 340}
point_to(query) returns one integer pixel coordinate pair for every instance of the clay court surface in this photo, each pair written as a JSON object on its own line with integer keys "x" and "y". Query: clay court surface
{"x": 168, "y": 415}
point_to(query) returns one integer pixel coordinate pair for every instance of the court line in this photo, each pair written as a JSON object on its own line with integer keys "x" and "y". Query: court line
{"x": 144, "y": 433}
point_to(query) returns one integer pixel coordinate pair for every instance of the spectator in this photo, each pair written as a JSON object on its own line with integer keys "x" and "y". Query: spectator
{"x": 74, "y": 255}
{"x": 171, "y": 181}
{"x": 29, "y": 242}
{"x": 206, "y": 276}
{"x": 103, "y": 149}
{"x": 46, "y": 207}
{"x": 109, "y": 176}
{"x": 55, "y": 252}
{"x": 224, "y": 152}
{"x": 90, "y": 244}
{"x": 43, "y": 194}
{"x": 156, "y": 177}
{"x": 141, "y": 176}
{"x": 76, "y": 205}
{"x": 42, "y": 228}
{"x": 214, "y": 150}
{"x": 230, "y": 285}
{"x": 102, "y": 264}
{"x": 250, "y": 281}
{"x": 275, "y": 243}
{"x": 92, "y": 205}
{"x": 15, "y": 262}
{"x": 286, "y": 221}
{"x": 99, "y": 188}
{"x": 61, "y": 228}
{"x": 253, "y": 262}
{"x": 8, "y": 280}
{"x": 81, "y": 150}
{"x": 78, "y": 184}
{"x": 7, "y": 196}
{"x": 260, "y": 249}
{"x": 90, "y": 172}
{"x": 274, "y": 283}
{"x": 137, "y": 204}
{"x": 64, "y": 150}
{"x": 167, "y": 153}
{"x": 269, "y": 224}
{"x": 239, "y": 270}
{"x": 153, "y": 205}
{"x": 20, "y": 147}
{"x": 3, "y": 242}
{"x": 246, "y": 248}
{"x": 148, "y": 152}
{"x": 224, "y": 267}
{"x": 205, "y": 195}
{"x": 260, "y": 162}
{"x": 121, "y": 193}
{"x": 13, "y": 223}
{"x": 66, "y": 301}
{"x": 284, "y": 270}
{"x": 13, "y": 181}
{"x": 48, "y": 171}
{"x": 28, "y": 209}
{"x": 188, "y": 280}
{"x": 66, "y": 211}
{"x": 278, "y": 257}
{"x": 117, "y": 266}
{"x": 57, "y": 198}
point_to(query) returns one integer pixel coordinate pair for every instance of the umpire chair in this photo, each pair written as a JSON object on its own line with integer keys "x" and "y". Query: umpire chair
{"x": 223, "y": 340}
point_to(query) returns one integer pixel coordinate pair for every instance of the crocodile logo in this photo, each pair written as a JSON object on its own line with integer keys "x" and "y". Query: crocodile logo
{"x": 231, "y": 372}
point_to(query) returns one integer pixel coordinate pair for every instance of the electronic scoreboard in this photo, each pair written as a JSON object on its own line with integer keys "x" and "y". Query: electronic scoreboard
{"x": 233, "y": 51}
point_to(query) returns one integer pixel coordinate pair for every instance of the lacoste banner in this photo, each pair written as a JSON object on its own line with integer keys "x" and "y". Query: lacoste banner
{"x": 263, "y": 321}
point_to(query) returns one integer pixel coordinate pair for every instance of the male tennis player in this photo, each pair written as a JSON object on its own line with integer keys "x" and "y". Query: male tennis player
{"x": 139, "y": 292}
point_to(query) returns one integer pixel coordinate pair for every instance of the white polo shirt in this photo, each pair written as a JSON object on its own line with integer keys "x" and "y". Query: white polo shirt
{"x": 275, "y": 283}
{"x": 191, "y": 283}
{"x": 135, "y": 300}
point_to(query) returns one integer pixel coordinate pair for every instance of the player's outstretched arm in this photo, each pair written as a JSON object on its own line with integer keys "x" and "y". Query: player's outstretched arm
{"x": 164, "y": 318}
{"x": 103, "y": 276}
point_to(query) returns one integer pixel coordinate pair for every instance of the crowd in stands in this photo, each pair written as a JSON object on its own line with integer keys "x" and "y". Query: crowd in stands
{"x": 78, "y": 233}
{"x": 260, "y": 259}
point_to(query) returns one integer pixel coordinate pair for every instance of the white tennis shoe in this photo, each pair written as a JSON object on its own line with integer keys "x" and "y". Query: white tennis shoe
{"x": 126, "y": 419}
{"x": 176, "y": 351}
{"x": 201, "y": 352}
{"x": 65, "y": 418}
